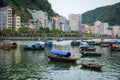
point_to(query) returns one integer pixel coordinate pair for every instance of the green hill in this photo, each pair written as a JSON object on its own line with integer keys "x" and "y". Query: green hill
{"x": 110, "y": 14}
{"x": 20, "y": 7}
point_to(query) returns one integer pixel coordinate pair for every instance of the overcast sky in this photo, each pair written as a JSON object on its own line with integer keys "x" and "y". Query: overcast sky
{"x": 66, "y": 7}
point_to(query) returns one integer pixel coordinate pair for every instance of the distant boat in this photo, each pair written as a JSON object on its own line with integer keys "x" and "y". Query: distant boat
{"x": 35, "y": 46}
{"x": 75, "y": 42}
{"x": 90, "y": 54}
{"x": 104, "y": 44}
{"x": 115, "y": 47}
{"x": 83, "y": 45}
{"x": 88, "y": 49}
{"x": 91, "y": 65}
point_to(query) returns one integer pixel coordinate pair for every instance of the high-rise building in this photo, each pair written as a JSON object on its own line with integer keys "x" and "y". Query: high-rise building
{"x": 97, "y": 27}
{"x": 57, "y": 22}
{"x": 103, "y": 28}
{"x": 16, "y": 22}
{"x": 6, "y": 18}
{"x": 64, "y": 24}
{"x": 75, "y": 22}
{"x": 100, "y": 27}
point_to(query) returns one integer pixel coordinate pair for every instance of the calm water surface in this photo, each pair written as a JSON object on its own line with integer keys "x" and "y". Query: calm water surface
{"x": 19, "y": 64}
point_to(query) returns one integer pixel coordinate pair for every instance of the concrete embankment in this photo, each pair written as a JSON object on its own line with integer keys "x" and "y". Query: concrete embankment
{"x": 51, "y": 38}
{"x": 18, "y": 38}
{"x": 42, "y": 38}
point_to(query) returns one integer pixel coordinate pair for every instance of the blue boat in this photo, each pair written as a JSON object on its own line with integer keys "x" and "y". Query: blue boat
{"x": 35, "y": 46}
{"x": 83, "y": 45}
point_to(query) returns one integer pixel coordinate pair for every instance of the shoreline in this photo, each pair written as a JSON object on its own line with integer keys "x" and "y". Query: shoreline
{"x": 53, "y": 38}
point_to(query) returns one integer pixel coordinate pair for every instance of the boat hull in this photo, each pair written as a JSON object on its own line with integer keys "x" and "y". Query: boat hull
{"x": 62, "y": 59}
{"x": 91, "y": 65}
{"x": 88, "y": 49}
{"x": 90, "y": 54}
{"x": 41, "y": 48}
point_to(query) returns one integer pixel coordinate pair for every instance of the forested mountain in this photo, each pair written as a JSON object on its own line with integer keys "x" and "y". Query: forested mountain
{"x": 110, "y": 14}
{"x": 20, "y": 7}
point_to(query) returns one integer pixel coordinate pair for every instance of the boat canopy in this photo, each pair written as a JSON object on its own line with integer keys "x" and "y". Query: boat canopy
{"x": 118, "y": 41}
{"x": 35, "y": 45}
{"x": 62, "y": 53}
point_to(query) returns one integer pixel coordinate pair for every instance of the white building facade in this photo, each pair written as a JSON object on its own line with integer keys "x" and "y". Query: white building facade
{"x": 115, "y": 31}
{"x": 75, "y": 22}
{"x": 16, "y": 22}
{"x": 100, "y": 28}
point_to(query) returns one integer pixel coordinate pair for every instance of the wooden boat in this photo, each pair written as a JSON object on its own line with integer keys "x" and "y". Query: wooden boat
{"x": 8, "y": 45}
{"x": 90, "y": 54}
{"x": 62, "y": 59}
{"x": 114, "y": 47}
{"x": 88, "y": 49}
{"x": 91, "y": 65}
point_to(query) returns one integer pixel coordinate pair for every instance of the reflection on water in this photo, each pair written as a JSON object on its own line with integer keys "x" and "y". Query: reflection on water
{"x": 18, "y": 64}
{"x": 61, "y": 65}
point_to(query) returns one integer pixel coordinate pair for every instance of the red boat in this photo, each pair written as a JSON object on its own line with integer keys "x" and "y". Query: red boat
{"x": 62, "y": 59}
{"x": 8, "y": 45}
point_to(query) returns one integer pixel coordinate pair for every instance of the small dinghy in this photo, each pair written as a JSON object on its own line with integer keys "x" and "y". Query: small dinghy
{"x": 90, "y": 54}
{"x": 91, "y": 65}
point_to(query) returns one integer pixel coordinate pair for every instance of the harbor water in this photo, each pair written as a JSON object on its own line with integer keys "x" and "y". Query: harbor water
{"x": 20, "y": 64}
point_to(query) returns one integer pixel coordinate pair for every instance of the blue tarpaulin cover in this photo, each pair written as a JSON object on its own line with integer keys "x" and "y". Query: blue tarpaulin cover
{"x": 36, "y": 45}
{"x": 118, "y": 41}
{"x": 84, "y": 45}
{"x": 63, "y": 53}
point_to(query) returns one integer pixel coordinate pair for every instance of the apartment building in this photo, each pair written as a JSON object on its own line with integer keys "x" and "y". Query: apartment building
{"x": 75, "y": 22}
{"x": 5, "y": 18}
{"x": 100, "y": 28}
{"x": 64, "y": 24}
{"x": 16, "y": 22}
{"x": 41, "y": 16}
{"x": 57, "y": 22}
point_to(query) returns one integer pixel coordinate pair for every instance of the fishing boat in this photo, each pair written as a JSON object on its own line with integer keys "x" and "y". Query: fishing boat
{"x": 90, "y": 54}
{"x": 62, "y": 59}
{"x": 91, "y": 65}
{"x": 114, "y": 47}
{"x": 61, "y": 56}
{"x": 7, "y": 45}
